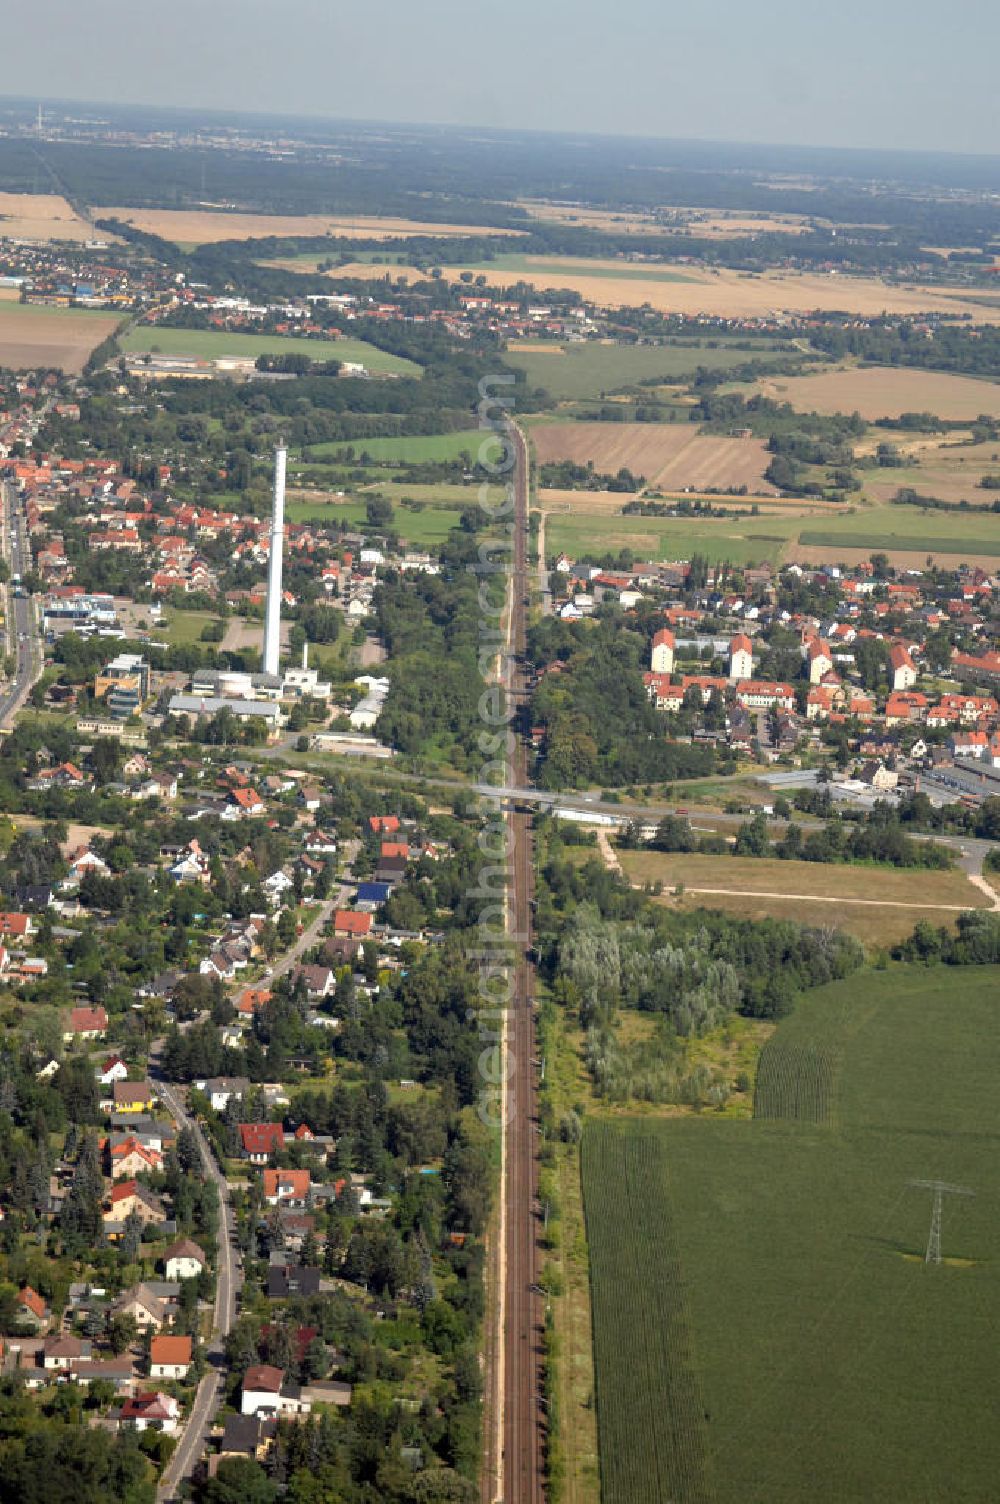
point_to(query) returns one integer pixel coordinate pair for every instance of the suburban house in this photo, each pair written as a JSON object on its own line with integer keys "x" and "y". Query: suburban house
{"x": 129, "y": 1158}
{"x": 260, "y": 1140}
{"x": 183, "y": 1260}
{"x": 245, "y": 804}
{"x": 151, "y": 1412}
{"x": 347, "y": 922}
{"x": 169, "y": 1357}
{"x": 127, "y": 1197}
{"x": 246, "y": 1436}
{"x": 31, "y": 1309}
{"x": 60, "y": 1351}
{"x": 113, "y": 1069}
{"x": 150, "y": 1309}
{"x": 87, "y": 1024}
{"x": 265, "y": 1391}
{"x": 287, "y": 1187}
{"x": 132, "y": 1096}
{"x": 286, "y": 1280}
{"x": 319, "y": 981}
{"x": 221, "y": 1089}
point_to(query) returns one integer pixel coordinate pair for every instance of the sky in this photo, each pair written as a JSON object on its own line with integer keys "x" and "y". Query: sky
{"x": 869, "y": 73}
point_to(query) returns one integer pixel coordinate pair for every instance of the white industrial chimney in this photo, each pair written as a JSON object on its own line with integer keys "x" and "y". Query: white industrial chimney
{"x": 272, "y": 618}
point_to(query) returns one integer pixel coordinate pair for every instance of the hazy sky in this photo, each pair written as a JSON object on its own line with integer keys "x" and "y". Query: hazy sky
{"x": 894, "y": 73}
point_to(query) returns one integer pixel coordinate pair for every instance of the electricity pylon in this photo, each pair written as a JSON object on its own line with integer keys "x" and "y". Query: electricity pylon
{"x": 941, "y": 1188}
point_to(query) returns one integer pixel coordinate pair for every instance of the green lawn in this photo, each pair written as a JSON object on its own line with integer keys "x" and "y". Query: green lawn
{"x": 766, "y": 1330}
{"x": 210, "y": 344}
{"x": 580, "y": 371}
{"x": 429, "y": 526}
{"x": 408, "y": 447}
{"x": 181, "y": 628}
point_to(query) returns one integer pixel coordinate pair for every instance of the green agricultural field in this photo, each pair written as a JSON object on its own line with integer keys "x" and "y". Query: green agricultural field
{"x": 412, "y": 448}
{"x": 742, "y": 540}
{"x": 749, "y": 539}
{"x": 515, "y": 263}
{"x": 211, "y": 344}
{"x": 765, "y": 1328}
{"x": 951, "y": 542}
{"x": 581, "y": 371}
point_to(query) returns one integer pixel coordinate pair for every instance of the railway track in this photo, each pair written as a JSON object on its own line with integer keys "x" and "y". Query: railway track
{"x": 515, "y": 1418}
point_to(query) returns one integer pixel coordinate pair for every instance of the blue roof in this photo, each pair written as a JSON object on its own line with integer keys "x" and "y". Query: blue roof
{"x": 373, "y": 892}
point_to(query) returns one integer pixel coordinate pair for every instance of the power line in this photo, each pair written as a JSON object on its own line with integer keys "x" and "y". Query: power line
{"x": 941, "y": 1188}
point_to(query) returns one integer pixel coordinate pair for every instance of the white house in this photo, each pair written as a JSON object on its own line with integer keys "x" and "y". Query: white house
{"x": 113, "y": 1069}
{"x": 151, "y": 1412}
{"x": 183, "y": 1260}
{"x": 169, "y": 1357}
{"x": 264, "y": 1392}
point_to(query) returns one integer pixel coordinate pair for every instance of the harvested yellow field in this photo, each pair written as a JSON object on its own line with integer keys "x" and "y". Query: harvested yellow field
{"x": 208, "y": 226}
{"x": 899, "y": 558}
{"x": 944, "y": 468}
{"x": 874, "y": 927}
{"x": 670, "y": 455}
{"x": 728, "y": 294}
{"x": 879, "y": 905}
{"x": 41, "y": 216}
{"x": 885, "y": 392}
{"x": 836, "y": 881}
{"x": 62, "y": 337}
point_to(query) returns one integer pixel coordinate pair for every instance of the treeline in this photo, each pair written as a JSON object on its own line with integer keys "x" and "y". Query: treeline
{"x": 907, "y": 497}
{"x": 890, "y": 342}
{"x": 567, "y": 475}
{"x": 976, "y": 941}
{"x": 878, "y": 837}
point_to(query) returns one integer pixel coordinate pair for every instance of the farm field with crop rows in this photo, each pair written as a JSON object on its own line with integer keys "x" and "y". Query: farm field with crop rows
{"x": 766, "y": 1329}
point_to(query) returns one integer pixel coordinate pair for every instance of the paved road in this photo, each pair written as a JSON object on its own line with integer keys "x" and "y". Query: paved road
{"x": 24, "y": 639}
{"x": 230, "y": 1276}
{"x": 312, "y": 932}
{"x": 228, "y": 1284}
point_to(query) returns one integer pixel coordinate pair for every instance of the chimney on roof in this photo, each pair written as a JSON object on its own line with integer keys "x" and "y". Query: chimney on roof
{"x": 272, "y": 615}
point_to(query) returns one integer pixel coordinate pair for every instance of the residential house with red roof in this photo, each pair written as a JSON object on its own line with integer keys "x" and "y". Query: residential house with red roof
{"x": 259, "y": 1141}
{"x": 86, "y": 1024}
